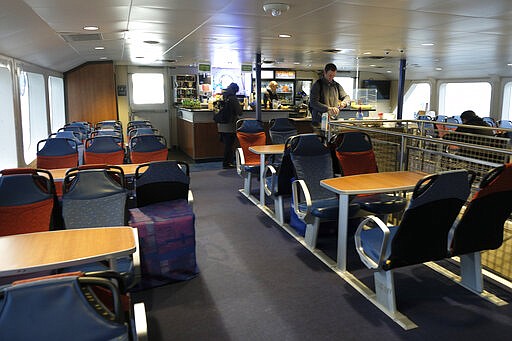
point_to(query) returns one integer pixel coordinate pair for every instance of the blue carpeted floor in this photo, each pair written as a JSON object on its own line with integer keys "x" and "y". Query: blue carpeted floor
{"x": 257, "y": 283}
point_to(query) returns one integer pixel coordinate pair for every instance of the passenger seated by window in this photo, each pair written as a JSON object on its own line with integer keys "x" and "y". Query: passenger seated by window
{"x": 469, "y": 117}
{"x": 476, "y": 136}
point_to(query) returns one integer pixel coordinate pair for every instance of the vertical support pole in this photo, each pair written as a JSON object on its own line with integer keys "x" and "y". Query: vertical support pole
{"x": 401, "y": 86}
{"x": 258, "y": 86}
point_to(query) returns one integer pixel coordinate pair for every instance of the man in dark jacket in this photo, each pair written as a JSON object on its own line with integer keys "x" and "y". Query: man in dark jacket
{"x": 227, "y": 130}
{"x": 327, "y": 95}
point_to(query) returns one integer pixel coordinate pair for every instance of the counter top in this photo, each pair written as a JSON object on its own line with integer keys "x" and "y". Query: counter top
{"x": 206, "y": 116}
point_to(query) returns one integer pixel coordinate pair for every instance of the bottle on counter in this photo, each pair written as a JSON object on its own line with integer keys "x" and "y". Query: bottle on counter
{"x": 324, "y": 124}
{"x": 359, "y": 115}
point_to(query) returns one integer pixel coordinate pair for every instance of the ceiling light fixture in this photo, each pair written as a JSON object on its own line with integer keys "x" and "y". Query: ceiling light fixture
{"x": 284, "y": 35}
{"x": 91, "y": 28}
{"x": 276, "y": 9}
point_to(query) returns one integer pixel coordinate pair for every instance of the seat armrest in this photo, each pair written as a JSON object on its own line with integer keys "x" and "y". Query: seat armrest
{"x": 365, "y": 258}
{"x": 299, "y": 186}
{"x": 140, "y": 321}
{"x": 270, "y": 190}
{"x": 136, "y": 256}
{"x": 190, "y": 199}
{"x": 240, "y": 161}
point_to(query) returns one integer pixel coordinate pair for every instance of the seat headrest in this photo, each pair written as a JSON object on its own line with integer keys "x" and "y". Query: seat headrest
{"x": 163, "y": 171}
{"x": 453, "y": 184}
{"x": 92, "y": 184}
{"x": 308, "y": 145}
{"x": 19, "y": 189}
{"x": 251, "y": 126}
{"x": 282, "y": 124}
{"x": 103, "y": 144}
{"x": 354, "y": 141}
{"x": 147, "y": 143}
{"x": 57, "y": 147}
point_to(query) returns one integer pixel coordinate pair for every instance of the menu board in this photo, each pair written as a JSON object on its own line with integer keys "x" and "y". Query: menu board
{"x": 285, "y": 74}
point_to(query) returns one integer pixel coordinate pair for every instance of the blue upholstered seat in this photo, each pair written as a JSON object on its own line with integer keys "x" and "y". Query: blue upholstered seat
{"x": 63, "y": 308}
{"x": 422, "y": 234}
{"x": 160, "y": 181}
{"x": 312, "y": 162}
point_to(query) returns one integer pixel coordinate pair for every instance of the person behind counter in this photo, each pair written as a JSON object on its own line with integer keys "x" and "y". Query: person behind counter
{"x": 227, "y": 131}
{"x": 326, "y": 95}
{"x": 270, "y": 94}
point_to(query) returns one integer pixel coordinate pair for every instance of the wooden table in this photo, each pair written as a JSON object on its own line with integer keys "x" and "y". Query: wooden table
{"x": 128, "y": 169}
{"x": 262, "y": 151}
{"x": 41, "y": 251}
{"x": 364, "y": 184}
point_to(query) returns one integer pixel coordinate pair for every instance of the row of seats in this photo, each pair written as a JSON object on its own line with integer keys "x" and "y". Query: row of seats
{"x": 435, "y": 226}
{"x": 77, "y": 143}
{"x": 306, "y": 160}
{"x": 96, "y": 196}
{"x": 93, "y": 195}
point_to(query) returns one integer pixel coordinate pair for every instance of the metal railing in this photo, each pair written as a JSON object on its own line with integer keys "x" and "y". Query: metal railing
{"x": 431, "y": 147}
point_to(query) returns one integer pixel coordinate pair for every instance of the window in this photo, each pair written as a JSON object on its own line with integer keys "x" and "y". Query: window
{"x": 57, "y": 109}
{"x": 454, "y": 98}
{"x": 507, "y": 102}
{"x": 8, "y": 150}
{"x": 33, "y": 113}
{"x": 348, "y": 85}
{"x": 148, "y": 88}
{"x": 416, "y": 98}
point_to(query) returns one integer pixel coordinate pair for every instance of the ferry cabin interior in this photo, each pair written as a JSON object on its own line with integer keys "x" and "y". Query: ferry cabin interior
{"x": 67, "y": 60}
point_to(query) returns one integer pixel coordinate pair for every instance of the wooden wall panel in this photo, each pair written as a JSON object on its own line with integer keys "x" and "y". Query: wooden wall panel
{"x": 91, "y": 93}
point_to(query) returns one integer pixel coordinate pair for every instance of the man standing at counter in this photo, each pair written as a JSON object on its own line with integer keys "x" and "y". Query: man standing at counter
{"x": 326, "y": 95}
{"x": 270, "y": 94}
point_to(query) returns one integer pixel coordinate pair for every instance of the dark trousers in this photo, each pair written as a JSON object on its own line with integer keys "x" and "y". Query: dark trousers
{"x": 229, "y": 140}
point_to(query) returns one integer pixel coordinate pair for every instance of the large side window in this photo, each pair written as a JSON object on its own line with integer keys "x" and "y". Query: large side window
{"x": 506, "y": 112}
{"x": 348, "y": 85}
{"x": 8, "y": 152}
{"x": 416, "y": 98}
{"x": 57, "y": 107}
{"x": 454, "y": 98}
{"x": 33, "y": 112}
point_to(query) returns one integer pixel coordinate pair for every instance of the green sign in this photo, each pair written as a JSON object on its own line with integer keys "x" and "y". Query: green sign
{"x": 246, "y": 68}
{"x": 205, "y": 67}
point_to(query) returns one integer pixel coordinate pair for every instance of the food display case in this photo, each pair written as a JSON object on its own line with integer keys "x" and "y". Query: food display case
{"x": 284, "y": 90}
{"x": 185, "y": 86}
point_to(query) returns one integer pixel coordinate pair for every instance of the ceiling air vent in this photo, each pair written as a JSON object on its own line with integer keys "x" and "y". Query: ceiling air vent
{"x": 71, "y": 38}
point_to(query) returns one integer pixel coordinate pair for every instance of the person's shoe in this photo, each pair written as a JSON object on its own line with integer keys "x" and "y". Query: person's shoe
{"x": 228, "y": 166}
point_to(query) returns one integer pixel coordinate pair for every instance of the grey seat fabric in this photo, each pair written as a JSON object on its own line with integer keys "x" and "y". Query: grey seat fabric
{"x": 312, "y": 163}
{"x": 92, "y": 198}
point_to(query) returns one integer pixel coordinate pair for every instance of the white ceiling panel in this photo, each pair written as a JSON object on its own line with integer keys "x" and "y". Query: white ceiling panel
{"x": 472, "y": 38}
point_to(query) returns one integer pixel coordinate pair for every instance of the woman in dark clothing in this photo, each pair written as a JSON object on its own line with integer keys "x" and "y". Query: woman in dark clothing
{"x": 227, "y": 130}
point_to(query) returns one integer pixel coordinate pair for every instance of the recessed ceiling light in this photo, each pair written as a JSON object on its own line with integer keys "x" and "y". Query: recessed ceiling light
{"x": 439, "y": 69}
{"x": 427, "y": 44}
{"x": 388, "y": 71}
{"x": 509, "y": 64}
{"x": 367, "y": 52}
{"x": 296, "y": 63}
{"x": 285, "y": 36}
{"x": 99, "y": 48}
{"x": 91, "y": 28}
{"x": 103, "y": 58}
{"x": 373, "y": 65}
